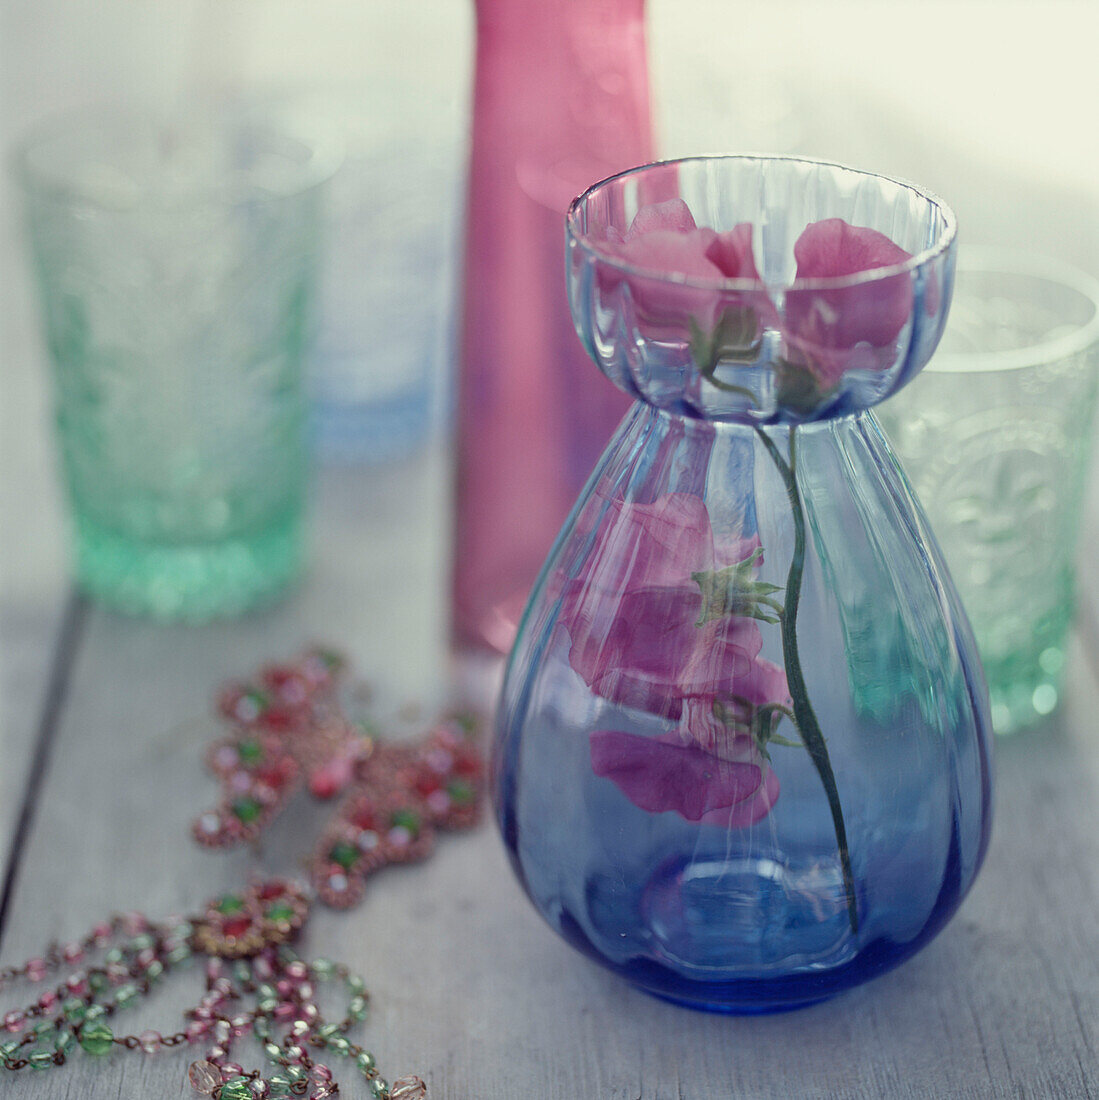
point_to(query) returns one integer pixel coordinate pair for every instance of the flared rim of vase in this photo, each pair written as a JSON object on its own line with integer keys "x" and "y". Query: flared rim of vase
{"x": 835, "y": 282}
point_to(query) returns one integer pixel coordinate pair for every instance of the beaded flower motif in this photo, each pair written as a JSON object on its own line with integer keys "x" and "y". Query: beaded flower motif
{"x": 290, "y": 730}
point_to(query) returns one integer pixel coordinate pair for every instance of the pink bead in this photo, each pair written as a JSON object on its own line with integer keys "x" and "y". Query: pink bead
{"x": 77, "y": 984}
{"x": 204, "y": 1012}
{"x": 241, "y": 1024}
{"x": 232, "y": 1069}
{"x": 285, "y": 1011}
{"x": 205, "y": 1077}
{"x": 322, "y": 1092}
{"x": 284, "y": 987}
{"x": 309, "y": 1013}
{"x": 305, "y": 991}
{"x": 145, "y": 957}
{"x": 134, "y": 923}
{"x": 72, "y": 952}
{"x": 101, "y": 933}
{"x": 213, "y": 969}
{"x": 150, "y": 1041}
{"x": 14, "y": 1021}
{"x": 321, "y": 1073}
{"x": 35, "y": 969}
{"x": 408, "y": 1088}
{"x": 215, "y": 1054}
{"x": 197, "y": 1030}
{"x": 223, "y": 987}
{"x": 297, "y": 971}
{"x": 48, "y": 999}
{"x": 260, "y": 1088}
{"x": 262, "y": 967}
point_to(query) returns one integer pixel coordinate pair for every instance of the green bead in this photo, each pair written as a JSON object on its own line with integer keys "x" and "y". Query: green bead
{"x": 266, "y": 992}
{"x": 96, "y": 1038}
{"x": 43, "y": 1027}
{"x": 278, "y": 1085}
{"x": 246, "y": 809}
{"x": 365, "y": 1061}
{"x": 154, "y": 970}
{"x": 281, "y": 914}
{"x": 340, "y": 1045}
{"x": 231, "y": 905}
{"x": 461, "y": 793}
{"x": 124, "y": 994}
{"x": 98, "y": 981}
{"x": 379, "y": 1087}
{"x": 323, "y": 969}
{"x": 142, "y": 942}
{"x": 295, "y": 1074}
{"x": 8, "y": 1050}
{"x": 75, "y": 1009}
{"x": 267, "y": 1005}
{"x": 287, "y": 954}
{"x": 406, "y": 819}
{"x": 242, "y": 971}
{"x": 65, "y": 1042}
{"x": 355, "y": 984}
{"x": 113, "y": 956}
{"x": 344, "y": 853}
{"x": 250, "y": 752}
{"x": 273, "y": 1051}
{"x": 262, "y": 1027}
{"x": 94, "y": 1012}
{"x": 326, "y": 1031}
{"x": 239, "y": 1088}
{"x": 357, "y": 1009}
{"x": 41, "y": 1059}
{"x": 179, "y": 953}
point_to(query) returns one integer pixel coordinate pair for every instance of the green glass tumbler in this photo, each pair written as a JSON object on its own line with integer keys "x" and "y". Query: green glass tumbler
{"x": 995, "y": 436}
{"x": 176, "y": 263}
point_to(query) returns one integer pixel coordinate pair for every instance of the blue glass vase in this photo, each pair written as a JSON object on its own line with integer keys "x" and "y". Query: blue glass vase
{"x": 742, "y": 755}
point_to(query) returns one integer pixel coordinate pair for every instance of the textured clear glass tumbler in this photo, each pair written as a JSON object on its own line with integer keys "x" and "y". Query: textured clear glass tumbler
{"x": 176, "y": 265}
{"x": 995, "y": 436}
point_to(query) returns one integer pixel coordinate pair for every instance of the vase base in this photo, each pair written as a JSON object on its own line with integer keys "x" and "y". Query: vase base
{"x": 747, "y": 917}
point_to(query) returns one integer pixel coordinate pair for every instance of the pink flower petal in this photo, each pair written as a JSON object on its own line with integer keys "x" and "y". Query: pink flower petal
{"x": 674, "y": 214}
{"x": 834, "y": 248}
{"x": 658, "y": 776}
{"x": 731, "y": 253}
{"x": 825, "y": 328}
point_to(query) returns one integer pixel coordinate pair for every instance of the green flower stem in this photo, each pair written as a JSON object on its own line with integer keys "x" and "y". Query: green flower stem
{"x": 805, "y": 717}
{"x": 727, "y": 387}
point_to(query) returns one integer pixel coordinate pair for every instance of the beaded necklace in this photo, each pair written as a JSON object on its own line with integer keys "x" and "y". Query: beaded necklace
{"x": 245, "y": 940}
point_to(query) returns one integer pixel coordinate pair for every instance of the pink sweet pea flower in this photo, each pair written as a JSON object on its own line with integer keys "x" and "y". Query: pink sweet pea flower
{"x": 664, "y": 239}
{"x": 661, "y": 774}
{"x": 831, "y": 331}
{"x": 632, "y": 617}
{"x": 642, "y": 635}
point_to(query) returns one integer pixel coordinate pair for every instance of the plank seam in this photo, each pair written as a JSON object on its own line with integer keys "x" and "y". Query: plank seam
{"x": 68, "y": 642}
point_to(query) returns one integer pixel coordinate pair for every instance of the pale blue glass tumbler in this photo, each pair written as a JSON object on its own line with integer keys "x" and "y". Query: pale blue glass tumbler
{"x": 176, "y": 263}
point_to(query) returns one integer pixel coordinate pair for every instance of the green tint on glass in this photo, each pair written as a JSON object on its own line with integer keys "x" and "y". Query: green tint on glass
{"x": 176, "y": 274}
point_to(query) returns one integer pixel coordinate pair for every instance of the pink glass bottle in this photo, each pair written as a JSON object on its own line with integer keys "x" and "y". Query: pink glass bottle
{"x": 561, "y": 100}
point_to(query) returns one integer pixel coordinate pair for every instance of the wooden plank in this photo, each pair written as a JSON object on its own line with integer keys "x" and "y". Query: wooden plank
{"x": 471, "y": 990}
{"x": 33, "y": 585}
